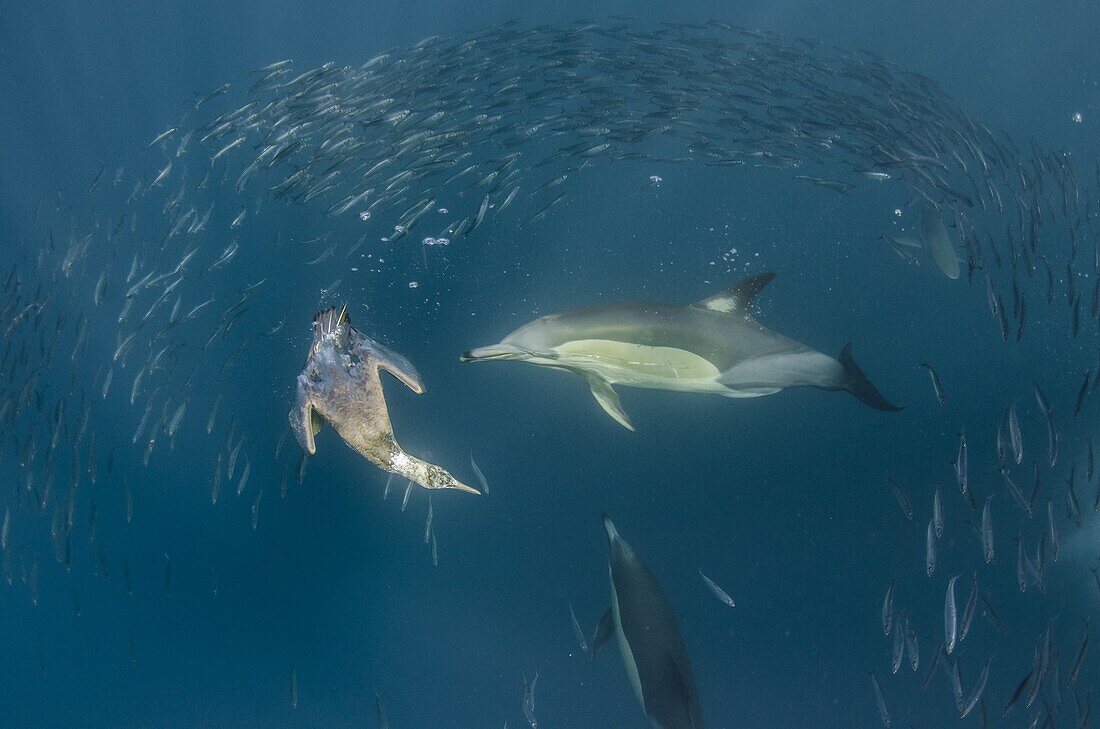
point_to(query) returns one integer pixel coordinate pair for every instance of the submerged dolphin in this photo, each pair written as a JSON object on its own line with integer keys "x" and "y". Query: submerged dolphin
{"x": 713, "y": 345}
{"x": 341, "y": 384}
{"x": 649, "y": 640}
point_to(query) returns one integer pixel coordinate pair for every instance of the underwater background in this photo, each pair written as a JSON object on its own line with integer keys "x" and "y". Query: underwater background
{"x": 131, "y": 600}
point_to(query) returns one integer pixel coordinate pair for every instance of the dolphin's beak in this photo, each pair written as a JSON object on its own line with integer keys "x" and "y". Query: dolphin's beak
{"x": 493, "y": 351}
{"x": 609, "y": 527}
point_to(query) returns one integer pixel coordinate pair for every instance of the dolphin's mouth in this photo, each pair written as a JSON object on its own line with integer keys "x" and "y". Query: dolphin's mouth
{"x": 493, "y": 351}
{"x": 506, "y": 351}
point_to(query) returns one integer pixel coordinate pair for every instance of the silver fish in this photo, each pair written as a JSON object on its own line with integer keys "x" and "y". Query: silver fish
{"x": 962, "y": 464}
{"x": 898, "y": 653}
{"x": 1055, "y": 539}
{"x": 480, "y": 476}
{"x": 888, "y": 610}
{"x": 902, "y": 497}
{"x": 971, "y": 607}
{"x": 428, "y": 521}
{"x": 244, "y": 476}
{"x": 1079, "y": 661}
{"x": 950, "y": 617}
{"x": 937, "y": 512}
{"x": 162, "y": 136}
{"x": 976, "y": 693}
{"x": 987, "y": 532}
{"x": 1052, "y": 432}
{"x": 718, "y": 591}
{"x": 880, "y": 701}
{"x": 912, "y": 647}
{"x": 1015, "y": 438}
{"x": 529, "y": 701}
{"x": 937, "y": 386}
{"x": 577, "y": 632}
{"x": 930, "y": 549}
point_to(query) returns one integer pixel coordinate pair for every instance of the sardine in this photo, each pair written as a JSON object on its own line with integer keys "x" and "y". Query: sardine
{"x": 937, "y": 386}
{"x": 716, "y": 590}
{"x": 880, "y": 701}
{"x": 950, "y": 617}
{"x": 903, "y": 498}
{"x": 988, "y": 550}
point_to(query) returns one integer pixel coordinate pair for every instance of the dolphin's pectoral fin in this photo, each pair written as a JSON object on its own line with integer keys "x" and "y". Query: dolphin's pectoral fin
{"x": 604, "y": 630}
{"x": 388, "y": 360}
{"x": 608, "y": 399}
{"x": 304, "y": 421}
{"x": 737, "y": 298}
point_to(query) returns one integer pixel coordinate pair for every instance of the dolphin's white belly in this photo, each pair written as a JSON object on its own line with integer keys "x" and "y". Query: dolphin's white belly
{"x": 639, "y": 365}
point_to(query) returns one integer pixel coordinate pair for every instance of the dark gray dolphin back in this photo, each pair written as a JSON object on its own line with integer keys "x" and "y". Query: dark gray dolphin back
{"x": 654, "y": 639}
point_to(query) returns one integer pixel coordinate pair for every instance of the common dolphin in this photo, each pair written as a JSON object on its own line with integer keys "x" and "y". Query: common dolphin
{"x": 649, "y": 639}
{"x": 714, "y": 345}
{"x": 341, "y": 385}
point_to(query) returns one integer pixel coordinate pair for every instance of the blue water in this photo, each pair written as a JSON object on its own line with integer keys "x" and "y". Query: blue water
{"x": 782, "y": 500}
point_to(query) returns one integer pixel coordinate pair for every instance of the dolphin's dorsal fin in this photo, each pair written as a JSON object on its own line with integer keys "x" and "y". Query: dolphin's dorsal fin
{"x": 608, "y": 399}
{"x": 736, "y": 299}
{"x": 604, "y": 630}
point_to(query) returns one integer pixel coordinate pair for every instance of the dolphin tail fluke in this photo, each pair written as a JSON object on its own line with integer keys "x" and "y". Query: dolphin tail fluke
{"x": 857, "y": 383}
{"x": 608, "y": 399}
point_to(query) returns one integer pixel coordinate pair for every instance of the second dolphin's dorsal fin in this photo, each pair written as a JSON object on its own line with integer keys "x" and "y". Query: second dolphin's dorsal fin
{"x": 737, "y": 298}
